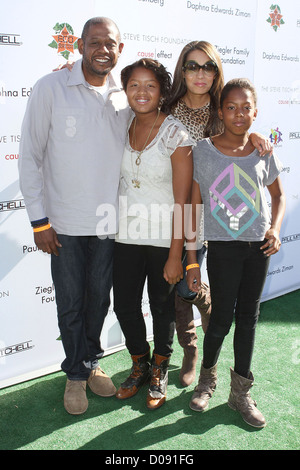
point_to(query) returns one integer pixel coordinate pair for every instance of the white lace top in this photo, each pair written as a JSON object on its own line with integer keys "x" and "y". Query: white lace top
{"x": 146, "y": 211}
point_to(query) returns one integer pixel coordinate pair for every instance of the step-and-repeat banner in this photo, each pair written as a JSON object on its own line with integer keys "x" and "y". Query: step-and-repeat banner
{"x": 255, "y": 39}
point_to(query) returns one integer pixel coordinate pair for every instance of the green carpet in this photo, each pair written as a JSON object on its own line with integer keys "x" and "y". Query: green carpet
{"x": 32, "y": 416}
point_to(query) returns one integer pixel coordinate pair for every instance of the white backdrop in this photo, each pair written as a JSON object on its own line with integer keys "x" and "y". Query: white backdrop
{"x": 255, "y": 39}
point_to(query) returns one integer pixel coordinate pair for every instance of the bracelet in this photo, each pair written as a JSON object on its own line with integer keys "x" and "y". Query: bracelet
{"x": 190, "y": 266}
{"x": 38, "y": 223}
{"x": 41, "y": 229}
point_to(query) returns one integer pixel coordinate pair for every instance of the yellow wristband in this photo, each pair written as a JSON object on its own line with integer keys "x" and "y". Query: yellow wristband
{"x": 43, "y": 227}
{"x": 190, "y": 266}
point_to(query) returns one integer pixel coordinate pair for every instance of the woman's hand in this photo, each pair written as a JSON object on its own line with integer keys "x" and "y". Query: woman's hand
{"x": 68, "y": 65}
{"x": 193, "y": 279}
{"x": 261, "y": 143}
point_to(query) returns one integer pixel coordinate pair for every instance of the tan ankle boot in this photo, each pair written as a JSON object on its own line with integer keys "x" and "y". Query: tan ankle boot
{"x": 100, "y": 383}
{"x": 205, "y": 388}
{"x": 75, "y": 400}
{"x": 203, "y": 304}
{"x": 240, "y": 400}
{"x": 187, "y": 338}
{"x": 140, "y": 373}
{"x": 159, "y": 380}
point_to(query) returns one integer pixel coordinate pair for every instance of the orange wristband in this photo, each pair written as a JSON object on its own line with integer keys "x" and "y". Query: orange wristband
{"x": 190, "y": 266}
{"x": 42, "y": 228}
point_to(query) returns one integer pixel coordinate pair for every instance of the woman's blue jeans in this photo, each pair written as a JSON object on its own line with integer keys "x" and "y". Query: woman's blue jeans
{"x": 82, "y": 276}
{"x": 181, "y": 286}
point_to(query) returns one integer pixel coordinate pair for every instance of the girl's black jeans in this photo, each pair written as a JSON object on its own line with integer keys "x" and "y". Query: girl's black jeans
{"x": 237, "y": 271}
{"x": 133, "y": 265}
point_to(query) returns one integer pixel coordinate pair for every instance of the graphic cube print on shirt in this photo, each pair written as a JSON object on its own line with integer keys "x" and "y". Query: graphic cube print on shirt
{"x": 234, "y": 200}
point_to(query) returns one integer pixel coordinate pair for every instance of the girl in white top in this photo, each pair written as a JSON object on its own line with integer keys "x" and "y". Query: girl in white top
{"x": 156, "y": 174}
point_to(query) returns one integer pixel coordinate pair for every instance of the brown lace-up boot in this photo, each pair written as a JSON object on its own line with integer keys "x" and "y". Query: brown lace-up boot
{"x": 140, "y": 373}
{"x": 159, "y": 380}
{"x": 205, "y": 388}
{"x": 240, "y": 400}
{"x": 187, "y": 338}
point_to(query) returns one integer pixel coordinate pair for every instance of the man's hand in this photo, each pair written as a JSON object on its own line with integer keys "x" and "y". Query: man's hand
{"x": 47, "y": 241}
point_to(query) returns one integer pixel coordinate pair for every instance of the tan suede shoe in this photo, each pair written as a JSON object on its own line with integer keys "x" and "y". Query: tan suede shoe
{"x": 75, "y": 400}
{"x": 100, "y": 383}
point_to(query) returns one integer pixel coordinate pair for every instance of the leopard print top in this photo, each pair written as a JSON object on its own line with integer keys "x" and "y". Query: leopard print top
{"x": 195, "y": 120}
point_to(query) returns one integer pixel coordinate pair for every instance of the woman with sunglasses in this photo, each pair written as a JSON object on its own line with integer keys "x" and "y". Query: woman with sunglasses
{"x": 195, "y": 96}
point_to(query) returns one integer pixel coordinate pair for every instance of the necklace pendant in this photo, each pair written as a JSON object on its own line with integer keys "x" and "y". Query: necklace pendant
{"x": 136, "y": 183}
{"x": 138, "y": 160}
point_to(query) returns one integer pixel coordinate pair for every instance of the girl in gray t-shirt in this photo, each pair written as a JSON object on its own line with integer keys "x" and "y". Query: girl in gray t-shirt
{"x": 229, "y": 180}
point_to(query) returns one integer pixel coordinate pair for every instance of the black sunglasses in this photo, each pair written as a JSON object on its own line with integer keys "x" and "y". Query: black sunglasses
{"x": 209, "y": 68}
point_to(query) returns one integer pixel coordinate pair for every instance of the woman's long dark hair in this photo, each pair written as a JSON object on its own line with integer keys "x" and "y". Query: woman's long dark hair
{"x": 179, "y": 89}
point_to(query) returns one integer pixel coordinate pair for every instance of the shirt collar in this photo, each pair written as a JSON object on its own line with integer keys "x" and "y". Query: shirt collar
{"x": 76, "y": 77}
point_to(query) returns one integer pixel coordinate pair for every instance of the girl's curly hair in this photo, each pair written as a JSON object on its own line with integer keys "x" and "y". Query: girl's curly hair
{"x": 160, "y": 72}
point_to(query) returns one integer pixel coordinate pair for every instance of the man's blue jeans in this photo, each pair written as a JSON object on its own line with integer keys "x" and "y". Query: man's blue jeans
{"x": 82, "y": 276}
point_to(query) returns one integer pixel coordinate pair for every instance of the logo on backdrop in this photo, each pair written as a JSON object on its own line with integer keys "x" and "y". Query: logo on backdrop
{"x": 16, "y": 348}
{"x": 294, "y": 135}
{"x": 291, "y": 238}
{"x": 12, "y": 205}
{"x": 64, "y": 40}
{"x": 7, "y": 39}
{"x": 44, "y": 293}
{"x": 159, "y": 2}
{"x": 276, "y": 136}
{"x": 275, "y": 17}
